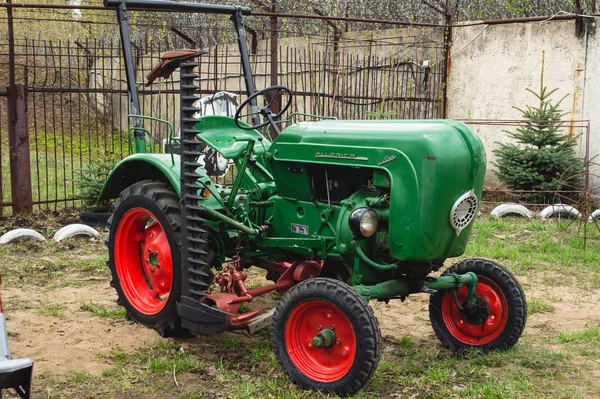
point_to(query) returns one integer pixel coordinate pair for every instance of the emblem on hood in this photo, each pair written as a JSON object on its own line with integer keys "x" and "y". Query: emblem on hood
{"x": 339, "y": 155}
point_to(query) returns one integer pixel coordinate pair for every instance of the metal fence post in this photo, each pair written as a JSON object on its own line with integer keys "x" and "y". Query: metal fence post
{"x": 18, "y": 132}
{"x": 18, "y": 145}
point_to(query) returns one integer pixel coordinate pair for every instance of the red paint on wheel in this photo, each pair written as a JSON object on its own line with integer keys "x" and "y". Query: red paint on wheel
{"x": 476, "y": 334}
{"x": 143, "y": 261}
{"x": 320, "y": 364}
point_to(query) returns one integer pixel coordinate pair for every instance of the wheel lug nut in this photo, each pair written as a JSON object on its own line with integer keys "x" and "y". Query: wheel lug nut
{"x": 344, "y": 353}
{"x": 492, "y": 317}
{"x": 328, "y": 315}
{"x": 310, "y": 344}
{"x": 338, "y": 342}
{"x": 462, "y": 321}
{"x": 319, "y": 327}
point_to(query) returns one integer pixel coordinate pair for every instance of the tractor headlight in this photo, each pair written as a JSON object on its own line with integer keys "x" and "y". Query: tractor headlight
{"x": 363, "y": 222}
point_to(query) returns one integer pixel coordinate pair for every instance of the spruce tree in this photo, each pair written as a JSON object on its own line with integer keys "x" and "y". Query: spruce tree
{"x": 542, "y": 153}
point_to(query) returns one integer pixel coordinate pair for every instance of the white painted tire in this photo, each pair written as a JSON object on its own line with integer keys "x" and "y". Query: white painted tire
{"x": 595, "y": 215}
{"x": 511, "y": 209}
{"x": 21, "y": 234}
{"x": 76, "y": 229}
{"x": 559, "y": 209}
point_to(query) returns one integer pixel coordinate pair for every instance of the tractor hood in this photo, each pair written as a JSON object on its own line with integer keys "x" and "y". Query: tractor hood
{"x": 430, "y": 163}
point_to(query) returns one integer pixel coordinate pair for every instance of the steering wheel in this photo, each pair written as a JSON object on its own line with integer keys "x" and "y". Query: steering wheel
{"x": 279, "y": 91}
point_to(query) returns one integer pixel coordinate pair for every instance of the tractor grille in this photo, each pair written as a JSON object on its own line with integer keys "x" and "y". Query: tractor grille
{"x": 463, "y": 212}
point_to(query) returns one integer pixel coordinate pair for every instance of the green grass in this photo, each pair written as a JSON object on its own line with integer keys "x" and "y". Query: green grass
{"x": 51, "y": 310}
{"x": 103, "y": 312}
{"x": 536, "y": 306}
{"x": 588, "y": 335}
{"x": 547, "y": 364}
{"x": 51, "y": 264}
{"x": 55, "y": 162}
{"x": 538, "y": 249}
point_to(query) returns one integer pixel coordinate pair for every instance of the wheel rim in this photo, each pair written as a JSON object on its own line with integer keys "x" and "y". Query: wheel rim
{"x": 476, "y": 334}
{"x": 143, "y": 261}
{"x": 320, "y": 364}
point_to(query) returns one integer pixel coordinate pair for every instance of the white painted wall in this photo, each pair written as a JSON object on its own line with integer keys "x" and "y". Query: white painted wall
{"x": 591, "y": 93}
{"x": 493, "y": 65}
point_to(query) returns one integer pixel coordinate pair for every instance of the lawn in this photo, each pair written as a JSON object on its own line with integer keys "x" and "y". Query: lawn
{"x": 62, "y": 313}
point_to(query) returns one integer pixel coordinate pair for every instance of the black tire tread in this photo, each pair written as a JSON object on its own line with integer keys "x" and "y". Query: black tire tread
{"x": 515, "y": 297}
{"x": 167, "y": 201}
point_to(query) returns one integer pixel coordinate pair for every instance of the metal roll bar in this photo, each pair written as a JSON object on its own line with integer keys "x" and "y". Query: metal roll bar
{"x": 122, "y": 6}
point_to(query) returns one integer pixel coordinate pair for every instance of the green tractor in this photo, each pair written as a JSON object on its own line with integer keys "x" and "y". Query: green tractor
{"x": 337, "y": 213}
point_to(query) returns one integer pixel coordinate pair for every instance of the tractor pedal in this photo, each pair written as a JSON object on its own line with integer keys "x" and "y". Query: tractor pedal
{"x": 260, "y": 322}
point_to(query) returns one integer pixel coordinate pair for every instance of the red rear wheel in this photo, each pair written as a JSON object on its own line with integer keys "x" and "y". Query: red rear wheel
{"x": 143, "y": 261}
{"x": 145, "y": 256}
{"x": 496, "y": 322}
{"x": 326, "y": 336}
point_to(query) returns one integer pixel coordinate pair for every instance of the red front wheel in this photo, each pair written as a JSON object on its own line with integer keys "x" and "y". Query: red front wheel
{"x": 326, "y": 336}
{"x": 144, "y": 254}
{"x": 495, "y": 321}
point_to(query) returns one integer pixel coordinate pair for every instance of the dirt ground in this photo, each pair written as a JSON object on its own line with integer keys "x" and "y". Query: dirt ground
{"x": 80, "y": 341}
{"x": 47, "y": 320}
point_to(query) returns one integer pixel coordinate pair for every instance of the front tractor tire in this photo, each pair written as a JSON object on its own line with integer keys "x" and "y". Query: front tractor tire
{"x": 145, "y": 256}
{"x": 498, "y": 320}
{"x": 326, "y": 336}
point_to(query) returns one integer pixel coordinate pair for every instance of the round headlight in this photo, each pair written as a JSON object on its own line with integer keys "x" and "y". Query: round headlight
{"x": 363, "y": 222}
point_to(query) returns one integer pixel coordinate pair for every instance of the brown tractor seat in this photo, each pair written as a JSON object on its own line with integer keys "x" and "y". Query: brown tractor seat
{"x": 169, "y": 62}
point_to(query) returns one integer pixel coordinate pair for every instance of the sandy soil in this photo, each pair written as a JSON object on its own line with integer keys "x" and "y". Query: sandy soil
{"x": 80, "y": 341}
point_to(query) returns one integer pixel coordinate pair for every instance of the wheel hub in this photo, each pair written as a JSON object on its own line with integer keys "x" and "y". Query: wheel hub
{"x": 324, "y": 338}
{"x": 478, "y": 323}
{"x": 477, "y": 312}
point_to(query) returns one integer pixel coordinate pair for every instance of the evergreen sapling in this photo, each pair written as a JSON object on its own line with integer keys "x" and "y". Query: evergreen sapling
{"x": 542, "y": 153}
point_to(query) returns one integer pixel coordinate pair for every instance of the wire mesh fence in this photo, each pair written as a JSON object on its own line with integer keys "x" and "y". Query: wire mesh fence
{"x": 77, "y": 104}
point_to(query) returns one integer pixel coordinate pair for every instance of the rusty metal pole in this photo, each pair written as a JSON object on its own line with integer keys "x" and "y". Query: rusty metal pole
{"x": 579, "y": 19}
{"x": 18, "y": 132}
{"x": 447, "y": 57}
{"x": 276, "y": 106}
{"x": 274, "y": 59}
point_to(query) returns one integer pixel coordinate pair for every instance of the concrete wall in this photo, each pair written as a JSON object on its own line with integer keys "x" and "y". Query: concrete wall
{"x": 493, "y": 65}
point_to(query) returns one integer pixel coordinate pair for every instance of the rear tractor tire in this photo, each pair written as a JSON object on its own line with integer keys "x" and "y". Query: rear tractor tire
{"x": 145, "y": 256}
{"x": 499, "y": 318}
{"x": 326, "y": 336}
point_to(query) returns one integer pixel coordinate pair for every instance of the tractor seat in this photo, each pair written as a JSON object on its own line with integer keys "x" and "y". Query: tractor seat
{"x": 169, "y": 62}
{"x": 222, "y": 134}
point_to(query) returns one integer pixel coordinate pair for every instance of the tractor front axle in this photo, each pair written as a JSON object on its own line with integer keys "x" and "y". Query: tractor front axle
{"x": 403, "y": 287}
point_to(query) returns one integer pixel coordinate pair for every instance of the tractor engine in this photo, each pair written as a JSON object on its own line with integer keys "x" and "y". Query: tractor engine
{"x": 379, "y": 192}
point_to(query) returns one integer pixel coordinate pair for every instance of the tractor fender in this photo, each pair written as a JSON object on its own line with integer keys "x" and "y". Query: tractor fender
{"x": 162, "y": 167}
{"x": 137, "y": 167}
